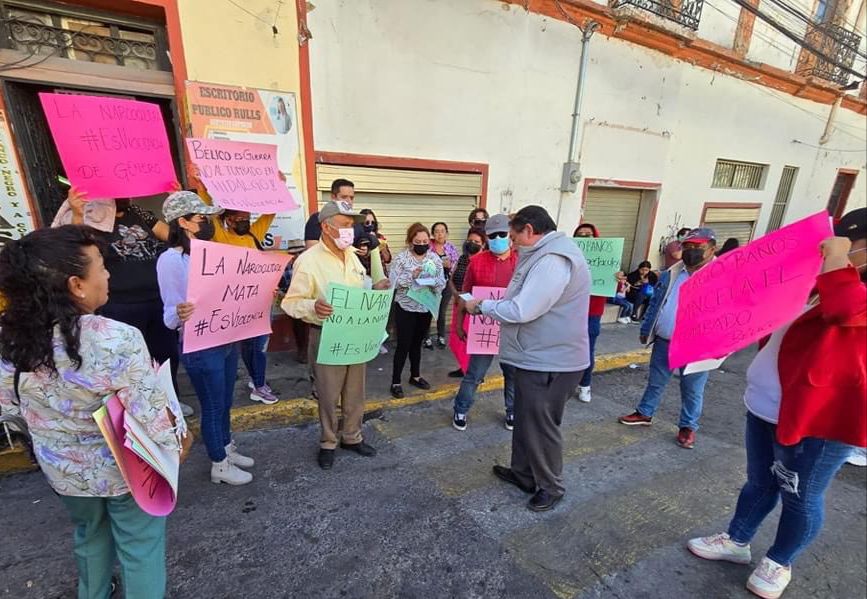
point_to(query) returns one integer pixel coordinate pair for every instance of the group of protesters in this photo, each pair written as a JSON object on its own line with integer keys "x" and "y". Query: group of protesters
{"x": 90, "y": 304}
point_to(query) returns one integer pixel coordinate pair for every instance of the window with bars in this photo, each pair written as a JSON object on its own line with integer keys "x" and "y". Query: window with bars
{"x": 781, "y": 200}
{"x": 730, "y": 174}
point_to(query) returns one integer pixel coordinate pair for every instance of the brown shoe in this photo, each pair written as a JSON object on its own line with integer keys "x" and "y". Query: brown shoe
{"x": 635, "y": 419}
{"x": 686, "y": 438}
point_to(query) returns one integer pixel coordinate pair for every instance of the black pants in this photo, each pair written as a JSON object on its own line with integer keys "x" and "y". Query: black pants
{"x": 147, "y": 317}
{"x": 442, "y": 323}
{"x": 412, "y": 328}
{"x": 537, "y": 445}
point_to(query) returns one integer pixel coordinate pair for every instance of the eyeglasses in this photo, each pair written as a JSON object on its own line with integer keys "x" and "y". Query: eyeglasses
{"x": 497, "y": 234}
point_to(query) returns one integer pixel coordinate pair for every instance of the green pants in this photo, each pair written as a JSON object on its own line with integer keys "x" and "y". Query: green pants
{"x": 115, "y": 527}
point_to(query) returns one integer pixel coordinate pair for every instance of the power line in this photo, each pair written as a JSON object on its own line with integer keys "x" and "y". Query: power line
{"x": 803, "y": 143}
{"x": 803, "y": 18}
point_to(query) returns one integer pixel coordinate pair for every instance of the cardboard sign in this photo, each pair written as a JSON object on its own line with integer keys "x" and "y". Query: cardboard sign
{"x": 483, "y": 334}
{"x": 241, "y": 176}
{"x": 354, "y": 332}
{"x": 233, "y": 290}
{"x": 748, "y": 293}
{"x": 110, "y": 147}
{"x": 427, "y": 297}
{"x": 604, "y": 256}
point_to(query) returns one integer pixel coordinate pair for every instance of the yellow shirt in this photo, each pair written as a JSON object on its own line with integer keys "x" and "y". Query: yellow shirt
{"x": 312, "y": 272}
{"x": 258, "y": 230}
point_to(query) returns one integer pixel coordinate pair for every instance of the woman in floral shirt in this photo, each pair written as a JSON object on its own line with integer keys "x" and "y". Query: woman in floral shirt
{"x": 449, "y": 256}
{"x": 58, "y": 361}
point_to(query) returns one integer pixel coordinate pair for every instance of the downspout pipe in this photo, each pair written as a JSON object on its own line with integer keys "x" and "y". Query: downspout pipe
{"x": 829, "y": 124}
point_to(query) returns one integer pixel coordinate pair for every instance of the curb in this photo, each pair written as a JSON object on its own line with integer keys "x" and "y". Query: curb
{"x": 292, "y": 412}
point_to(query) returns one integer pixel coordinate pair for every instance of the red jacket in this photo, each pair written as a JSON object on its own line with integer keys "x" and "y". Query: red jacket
{"x": 823, "y": 365}
{"x": 597, "y": 302}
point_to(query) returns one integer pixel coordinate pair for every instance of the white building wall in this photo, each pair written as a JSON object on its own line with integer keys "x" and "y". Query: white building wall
{"x": 479, "y": 81}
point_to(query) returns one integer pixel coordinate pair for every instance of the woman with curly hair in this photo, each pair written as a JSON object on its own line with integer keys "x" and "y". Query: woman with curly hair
{"x": 58, "y": 361}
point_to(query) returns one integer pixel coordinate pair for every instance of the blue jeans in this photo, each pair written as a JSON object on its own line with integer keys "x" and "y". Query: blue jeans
{"x": 799, "y": 474}
{"x": 253, "y": 354}
{"x": 691, "y": 388}
{"x": 476, "y": 371}
{"x": 625, "y": 306}
{"x": 594, "y": 328}
{"x": 213, "y": 372}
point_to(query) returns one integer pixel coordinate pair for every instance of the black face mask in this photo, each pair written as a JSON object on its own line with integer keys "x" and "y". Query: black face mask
{"x": 420, "y": 248}
{"x": 241, "y": 227}
{"x": 371, "y": 228}
{"x": 693, "y": 257}
{"x": 206, "y": 231}
{"x": 471, "y": 248}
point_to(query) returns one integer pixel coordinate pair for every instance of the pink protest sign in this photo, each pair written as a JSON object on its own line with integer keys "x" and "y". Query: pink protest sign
{"x": 241, "y": 176}
{"x": 748, "y": 293}
{"x": 483, "y": 334}
{"x": 233, "y": 290}
{"x": 110, "y": 147}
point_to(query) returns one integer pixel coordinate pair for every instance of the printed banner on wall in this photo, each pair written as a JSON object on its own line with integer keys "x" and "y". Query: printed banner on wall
{"x": 255, "y": 116}
{"x": 748, "y": 293}
{"x": 355, "y": 330}
{"x": 15, "y": 217}
{"x": 111, "y": 147}
{"x": 241, "y": 176}
{"x": 483, "y": 333}
{"x": 233, "y": 290}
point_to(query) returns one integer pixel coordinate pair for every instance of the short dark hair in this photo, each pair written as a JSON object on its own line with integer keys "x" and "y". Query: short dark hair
{"x": 438, "y": 223}
{"x": 475, "y": 211}
{"x": 338, "y": 183}
{"x": 683, "y": 231}
{"x": 480, "y": 232}
{"x": 645, "y": 264}
{"x": 536, "y": 216}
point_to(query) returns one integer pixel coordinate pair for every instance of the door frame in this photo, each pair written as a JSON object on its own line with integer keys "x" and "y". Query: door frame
{"x": 844, "y": 198}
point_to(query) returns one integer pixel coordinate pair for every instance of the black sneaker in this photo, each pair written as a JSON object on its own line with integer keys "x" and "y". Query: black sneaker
{"x": 362, "y": 448}
{"x": 397, "y": 392}
{"x": 507, "y": 475}
{"x": 459, "y": 421}
{"x": 326, "y": 459}
{"x": 456, "y": 374}
{"x": 420, "y": 383}
{"x": 543, "y": 501}
{"x": 428, "y": 344}
{"x": 509, "y": 422}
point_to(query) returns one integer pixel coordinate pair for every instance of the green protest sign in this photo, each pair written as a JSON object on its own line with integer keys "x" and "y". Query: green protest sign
{"x": 356, "y": 328}
{"x": 427, "y": 297}
{"x": 603, "y": 255}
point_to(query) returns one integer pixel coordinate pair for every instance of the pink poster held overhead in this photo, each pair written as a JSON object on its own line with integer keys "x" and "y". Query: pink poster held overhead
{"x": 748, "y": 293}
{"x": 233, "y": 290}
{"x": 241, "y": 176}
{"x": 110, "y": 147}
{"x": 483, "y": 333}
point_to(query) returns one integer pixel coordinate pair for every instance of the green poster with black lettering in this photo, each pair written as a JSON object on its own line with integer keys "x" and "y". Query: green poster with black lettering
{"x": 604, "y": 256}
{"x": 356, "y": 328}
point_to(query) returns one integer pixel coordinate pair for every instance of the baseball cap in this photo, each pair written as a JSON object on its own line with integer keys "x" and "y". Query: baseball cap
{"x": 181, "y": 203}
{"x": 498, "y": 223}
{"x": 853, "y": 225}
{"x": 700, "y": 235}
{"x": 336, "y": 207}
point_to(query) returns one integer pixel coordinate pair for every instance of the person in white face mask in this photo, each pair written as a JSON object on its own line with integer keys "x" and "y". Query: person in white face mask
{"x": 332, "y": 260}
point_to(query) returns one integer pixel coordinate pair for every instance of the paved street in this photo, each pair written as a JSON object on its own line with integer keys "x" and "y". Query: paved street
{"x": 426, "y": 518}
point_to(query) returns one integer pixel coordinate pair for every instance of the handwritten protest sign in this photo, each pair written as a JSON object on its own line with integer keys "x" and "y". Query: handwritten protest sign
{"x": 748, "y": 293}
{"x": 356, "y": 328}
{"x": 110, "y": 147}
{"x": 241, "y": 176}
{"x": 232, "y": 289}
{"x": 603, "y": 255}
{"x": 483, "y": 334}
{"x": 427, "y": 297}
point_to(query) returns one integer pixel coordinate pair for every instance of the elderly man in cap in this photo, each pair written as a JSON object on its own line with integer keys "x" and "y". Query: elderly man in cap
{"x": 699, "y": 247}
{"x": 493, "y": 267}
{"x": 332, "y": 260}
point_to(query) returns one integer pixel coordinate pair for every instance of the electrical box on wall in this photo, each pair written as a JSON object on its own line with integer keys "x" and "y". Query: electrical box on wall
{"x": 571, "y": 176}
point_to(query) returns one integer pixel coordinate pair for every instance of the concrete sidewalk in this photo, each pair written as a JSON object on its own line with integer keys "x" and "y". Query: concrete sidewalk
{"x": 617, "y": 347}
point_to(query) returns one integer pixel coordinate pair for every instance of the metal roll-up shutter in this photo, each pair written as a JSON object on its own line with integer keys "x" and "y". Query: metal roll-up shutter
{"x": 736, "y": 222}
{"x": 614, "y": 211}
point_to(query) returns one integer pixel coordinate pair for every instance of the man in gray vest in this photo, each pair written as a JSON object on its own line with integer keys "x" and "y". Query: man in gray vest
{"x": 545, "y": 338}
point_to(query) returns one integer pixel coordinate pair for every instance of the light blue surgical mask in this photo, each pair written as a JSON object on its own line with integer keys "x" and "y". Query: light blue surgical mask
{"x": 499, "y": 245}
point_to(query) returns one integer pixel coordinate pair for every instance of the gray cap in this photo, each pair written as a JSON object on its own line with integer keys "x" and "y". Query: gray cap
{"x": 499, "y": 223}
{"x": 182, "y": 203}
{"x": 336, "y": 207}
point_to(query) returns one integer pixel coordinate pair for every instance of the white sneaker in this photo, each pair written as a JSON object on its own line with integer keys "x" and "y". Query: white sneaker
{"x": 769, "y": 579}
{"x": 720, "y": 548}
{"x": 263, "y": 394}
{"x": 858, "y": 457}
{"x": 229, "y": 473}
{"x": 624, "y": 320}
{"x": 584, "y": 394}
{"x": 236, "y": 458}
